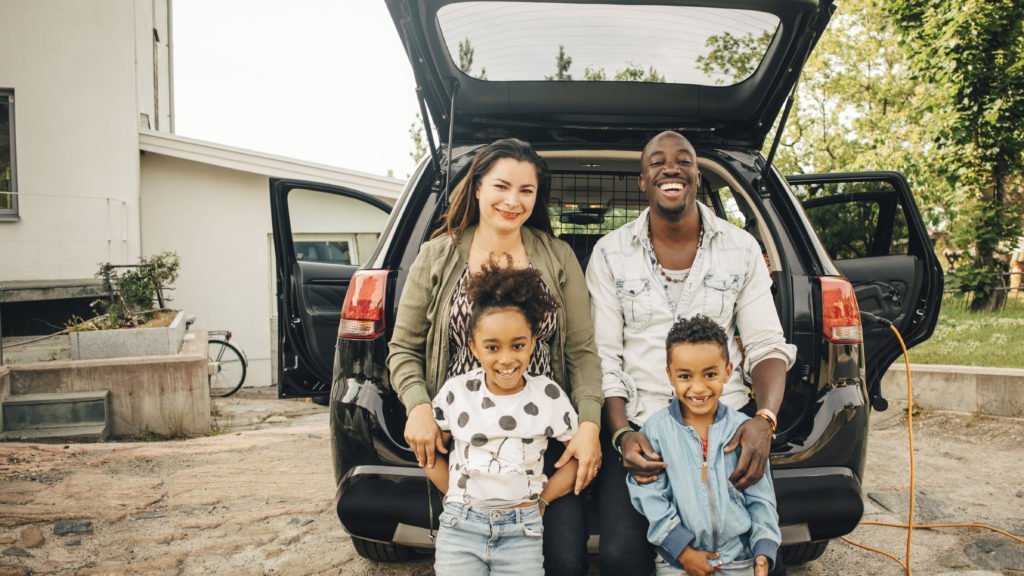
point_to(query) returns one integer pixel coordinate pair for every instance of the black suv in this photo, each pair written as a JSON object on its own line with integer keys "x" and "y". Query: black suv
{"x": 848, "y": 253}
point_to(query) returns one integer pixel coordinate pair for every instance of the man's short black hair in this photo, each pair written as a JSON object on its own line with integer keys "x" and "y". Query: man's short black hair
{"x": 696, "y": 330}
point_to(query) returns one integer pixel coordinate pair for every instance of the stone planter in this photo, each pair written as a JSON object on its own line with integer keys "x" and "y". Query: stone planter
{"x": 128, "y": 342}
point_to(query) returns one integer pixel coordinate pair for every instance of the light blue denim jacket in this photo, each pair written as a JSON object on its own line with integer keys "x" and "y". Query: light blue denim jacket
{"x": 712, "y": 516}
{"x": 633, "y": 310}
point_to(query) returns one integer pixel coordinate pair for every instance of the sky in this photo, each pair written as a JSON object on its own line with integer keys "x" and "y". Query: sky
{"x": 323, "y": 81}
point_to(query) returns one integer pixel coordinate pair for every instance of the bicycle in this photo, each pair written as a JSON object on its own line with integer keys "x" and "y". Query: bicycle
{"x": 227, "y": 364}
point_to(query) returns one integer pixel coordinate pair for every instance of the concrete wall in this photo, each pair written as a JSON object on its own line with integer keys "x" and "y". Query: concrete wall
{"x": 218, "y": 221}
{"x": 162, "y": 394}
{"x": 967, "y": 389}
{"x": 80, "y": 72}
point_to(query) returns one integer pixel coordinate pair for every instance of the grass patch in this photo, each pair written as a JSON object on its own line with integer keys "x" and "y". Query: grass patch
{"x": 965, "y": 338}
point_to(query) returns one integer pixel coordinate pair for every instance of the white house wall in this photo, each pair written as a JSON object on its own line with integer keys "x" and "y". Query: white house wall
{"x": 72, "y": 66}
{"x": 218, "y": 221}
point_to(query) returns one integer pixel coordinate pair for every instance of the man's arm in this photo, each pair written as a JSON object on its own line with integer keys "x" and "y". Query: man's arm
{"x": 638, "y": 456}
{"x": 767, "y": 357}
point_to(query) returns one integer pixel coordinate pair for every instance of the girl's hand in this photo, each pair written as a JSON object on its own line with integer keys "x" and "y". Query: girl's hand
{"x": 585, "y": 446}
{"x": 761, "y": 566}
{"x": 423, "y": 435}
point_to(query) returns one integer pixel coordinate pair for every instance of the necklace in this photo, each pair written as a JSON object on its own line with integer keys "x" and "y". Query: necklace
{"x": 657, "y": 263}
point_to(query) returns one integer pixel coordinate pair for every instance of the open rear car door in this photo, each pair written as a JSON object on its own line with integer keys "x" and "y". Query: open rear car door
{"x": 872, "y": 229}
{"x": 314, "y": 263}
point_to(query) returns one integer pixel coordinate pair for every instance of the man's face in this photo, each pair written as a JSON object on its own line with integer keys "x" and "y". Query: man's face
{"x": 669, "y": 175}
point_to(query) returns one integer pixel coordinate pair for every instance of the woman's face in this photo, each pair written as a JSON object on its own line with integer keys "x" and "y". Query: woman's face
{"x": 507, "y": 194}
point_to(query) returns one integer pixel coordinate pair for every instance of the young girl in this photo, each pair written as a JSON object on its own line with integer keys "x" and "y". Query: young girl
{"x": 500, "y": 418}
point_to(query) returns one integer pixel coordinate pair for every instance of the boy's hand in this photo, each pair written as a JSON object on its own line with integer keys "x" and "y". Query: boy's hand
{"x": 639, "y": 457}
{"x": 696, "y": 562}
{"x": 761, "y": 566}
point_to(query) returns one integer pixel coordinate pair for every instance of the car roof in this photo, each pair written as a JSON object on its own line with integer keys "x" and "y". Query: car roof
{"x": 718, "y": 70}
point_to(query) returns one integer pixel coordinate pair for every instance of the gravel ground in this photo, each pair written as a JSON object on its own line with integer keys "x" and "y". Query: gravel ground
{"x": 258, "y": 499}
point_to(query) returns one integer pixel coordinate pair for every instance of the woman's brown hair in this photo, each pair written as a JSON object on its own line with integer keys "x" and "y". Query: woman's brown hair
{"x": 464, "y": 210}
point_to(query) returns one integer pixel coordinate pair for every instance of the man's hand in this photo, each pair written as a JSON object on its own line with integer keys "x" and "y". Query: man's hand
{"x": 423, "y": 435}
{"x": 639, "y": 457}
{"x": 696, "y": 562}
{"x": 755, "y": 438}
{"x": 761, "y": 566}
{"x": 585, "y": 446}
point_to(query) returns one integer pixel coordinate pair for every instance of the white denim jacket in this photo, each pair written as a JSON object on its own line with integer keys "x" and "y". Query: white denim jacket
{"x": 633, "y": 310}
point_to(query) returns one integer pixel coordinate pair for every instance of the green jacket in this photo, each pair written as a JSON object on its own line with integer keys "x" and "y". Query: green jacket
{"x": 418, "y": 358}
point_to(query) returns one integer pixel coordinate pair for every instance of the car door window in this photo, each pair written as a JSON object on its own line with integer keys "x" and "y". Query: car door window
{"x": 856, "y": 219}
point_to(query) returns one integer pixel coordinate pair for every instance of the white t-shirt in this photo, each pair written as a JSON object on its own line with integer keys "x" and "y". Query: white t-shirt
{"x": 498, "y": 457}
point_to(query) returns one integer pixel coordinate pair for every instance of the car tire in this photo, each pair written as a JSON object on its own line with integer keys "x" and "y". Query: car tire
{"x": 800, "y": 553}
{"x": 323, "y": 400}
{"x": 379, "y": 552}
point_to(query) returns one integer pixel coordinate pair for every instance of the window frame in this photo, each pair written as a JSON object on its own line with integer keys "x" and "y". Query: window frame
{"x": 11, "y": 213}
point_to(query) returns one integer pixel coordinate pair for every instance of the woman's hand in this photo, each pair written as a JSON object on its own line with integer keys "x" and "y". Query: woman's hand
{"x": 423, "y": 435}
{"x": 585, "y": 446}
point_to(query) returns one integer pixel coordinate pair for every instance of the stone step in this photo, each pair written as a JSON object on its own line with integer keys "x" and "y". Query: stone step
{"x": 91, "y": 433}
{"x": 72, "y": 415}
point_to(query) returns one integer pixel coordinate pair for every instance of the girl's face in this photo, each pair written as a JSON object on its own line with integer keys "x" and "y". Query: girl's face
{"x": 507, "y": 194}
{"x": 503, "y": 343}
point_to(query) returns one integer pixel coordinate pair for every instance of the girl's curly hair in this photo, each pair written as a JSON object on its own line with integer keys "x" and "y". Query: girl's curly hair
{"x": 497, "y": 286}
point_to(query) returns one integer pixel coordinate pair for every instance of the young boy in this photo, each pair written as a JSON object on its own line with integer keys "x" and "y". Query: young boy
{"x": 698, "y": 521}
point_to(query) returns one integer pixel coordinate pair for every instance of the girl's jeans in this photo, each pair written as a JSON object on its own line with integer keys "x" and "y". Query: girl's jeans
{"x": 734, "y": 568}
{"x": 480, "y": 541}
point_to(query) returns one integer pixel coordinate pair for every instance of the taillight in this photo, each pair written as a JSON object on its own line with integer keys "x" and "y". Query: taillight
{"x": 840, "y": 315}
{"x": 362, "y": 314}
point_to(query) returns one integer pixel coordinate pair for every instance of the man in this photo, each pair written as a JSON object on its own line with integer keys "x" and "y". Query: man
{"x": 675, "y": 261}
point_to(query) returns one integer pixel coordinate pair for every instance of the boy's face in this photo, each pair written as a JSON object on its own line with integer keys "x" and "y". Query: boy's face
{"x": 698, "y": 372}
{"x": 503, "y": 343}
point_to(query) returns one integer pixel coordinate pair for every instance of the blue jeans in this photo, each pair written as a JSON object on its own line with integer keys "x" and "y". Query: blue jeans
{"x": 480, "y": 541}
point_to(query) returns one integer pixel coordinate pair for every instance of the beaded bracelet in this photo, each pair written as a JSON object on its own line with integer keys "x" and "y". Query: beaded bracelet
{"x": 618, "y": 436}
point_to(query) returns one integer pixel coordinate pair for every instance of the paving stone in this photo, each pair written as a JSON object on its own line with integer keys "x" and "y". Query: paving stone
{"x": 74, "y": 542}
{"x": 8, "y": 540}
{"x": 16, "y": 551}
{"x": 32, "y": 537}
{"x": 927, "y": 510}
{"x": 147, "y": 515}
{"x": 11, "y": 570}
{"x": 996, "y": 554}
{"x": 72, "y": 527}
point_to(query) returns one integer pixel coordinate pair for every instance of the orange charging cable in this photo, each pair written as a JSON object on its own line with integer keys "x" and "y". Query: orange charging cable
{"x": 910, "y": 521}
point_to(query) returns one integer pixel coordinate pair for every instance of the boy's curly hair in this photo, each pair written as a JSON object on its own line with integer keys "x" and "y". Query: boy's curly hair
{"x": 696, "y": 330}
{"x": 497, "y": 286}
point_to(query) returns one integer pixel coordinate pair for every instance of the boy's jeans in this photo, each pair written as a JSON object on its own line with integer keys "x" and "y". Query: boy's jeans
{"x": 479, "y": 541}
{"x": 735, "y": 568}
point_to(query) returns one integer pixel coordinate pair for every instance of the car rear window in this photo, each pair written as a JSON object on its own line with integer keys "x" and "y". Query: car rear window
{"x": 528, "y": 41}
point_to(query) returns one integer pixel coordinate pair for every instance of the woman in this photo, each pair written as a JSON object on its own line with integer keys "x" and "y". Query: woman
{"x": 499, "y": 212}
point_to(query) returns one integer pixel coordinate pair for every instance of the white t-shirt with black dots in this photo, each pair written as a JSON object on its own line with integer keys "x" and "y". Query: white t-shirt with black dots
{"x": 497, "y": 459}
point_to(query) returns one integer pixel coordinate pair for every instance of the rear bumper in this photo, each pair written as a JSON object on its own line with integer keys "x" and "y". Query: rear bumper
{"x": 396, "y": 504}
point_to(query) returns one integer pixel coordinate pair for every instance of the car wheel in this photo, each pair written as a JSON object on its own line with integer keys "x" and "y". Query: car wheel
{"x": 800, "y": 553}
{"x": 322, "y": 400}
{"x": 379, "y": 552}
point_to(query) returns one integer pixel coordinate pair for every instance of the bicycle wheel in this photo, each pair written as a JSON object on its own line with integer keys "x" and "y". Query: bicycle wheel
{"x": 229, "y": 371}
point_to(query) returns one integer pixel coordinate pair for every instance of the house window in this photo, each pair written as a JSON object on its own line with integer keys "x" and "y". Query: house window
{"x": 8, "y": 171}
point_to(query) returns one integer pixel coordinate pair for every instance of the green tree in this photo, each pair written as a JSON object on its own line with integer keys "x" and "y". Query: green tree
{"x": 734, "y": 56}
{"x": 594, "y": 74}
{"x": 466, "y": 52}
{"x": 562, "y": 64}
{"x": 635, "y": 73}
{"x": 969, "y": 54}
{"x": 419, "y": 140}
